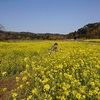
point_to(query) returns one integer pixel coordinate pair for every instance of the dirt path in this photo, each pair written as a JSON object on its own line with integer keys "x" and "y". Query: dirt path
{"x": 9, "y": 83}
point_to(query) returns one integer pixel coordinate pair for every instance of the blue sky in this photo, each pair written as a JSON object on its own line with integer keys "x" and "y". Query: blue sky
{"x": 48, "y": 16}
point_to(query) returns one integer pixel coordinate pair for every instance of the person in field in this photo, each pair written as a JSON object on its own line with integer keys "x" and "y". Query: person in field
{"x": 54, "y": 47}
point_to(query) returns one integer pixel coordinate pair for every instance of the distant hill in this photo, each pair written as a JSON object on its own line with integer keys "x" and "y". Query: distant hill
{"x": 91, "y": 30}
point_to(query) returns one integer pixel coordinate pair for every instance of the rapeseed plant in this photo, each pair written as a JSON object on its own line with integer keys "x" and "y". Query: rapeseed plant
{"x": 72, "y": 73}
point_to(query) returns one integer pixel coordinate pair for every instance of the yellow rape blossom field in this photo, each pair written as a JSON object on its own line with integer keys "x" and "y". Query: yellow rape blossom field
{"x": 30, "y": 71}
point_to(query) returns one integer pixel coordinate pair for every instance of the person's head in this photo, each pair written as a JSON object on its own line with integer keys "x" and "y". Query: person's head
{"x": 56, "y": 44}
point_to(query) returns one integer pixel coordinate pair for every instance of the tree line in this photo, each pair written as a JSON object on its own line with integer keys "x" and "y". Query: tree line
{"x": 4, "y": 35}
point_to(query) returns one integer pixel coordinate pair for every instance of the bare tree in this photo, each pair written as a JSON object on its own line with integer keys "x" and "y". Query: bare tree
{"x": 2, "y": 28}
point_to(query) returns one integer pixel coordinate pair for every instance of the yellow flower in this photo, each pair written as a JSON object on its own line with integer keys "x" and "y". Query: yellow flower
{"x": 42, "y": 72}
{"x": 4, "y": 89}
{"x": 55, "y": 71}
{"x": 51, "y": 76}
{"x": 27, "y": 66}
{"x": 17, "y": 79}
{"x": 82, "y": 89}
{"x": 92, "y": 84}
{"x": 67, "y": 76}
{"x": 96, "y": 90}
{"x": 45, "y": 80}
{"x": 46, "y": 87}
{"x": 33, "y": 64}
{"x": 4, "y": 73}
{"x": 66, "y": 93}
{"x": 90, "y": 93}
{"x": 97, "y": 66}
{"x": 21, "y": 86}
{"x": 83, "y": 96}
{"x": 14, "y": 94}
{"x": 62, "y": 98}
{"x": 26, "y": 59}
{"x": 29, "y": 97}
{"x": 24, "y": 78}
{"x": 27, "y": 83}
{"x": 78, "y": 96}
{"x": 65, "y": 86}
{"x": 74, "y": 92}
{"x": 35, "y": 91}
{"x": 60, "y": 66}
